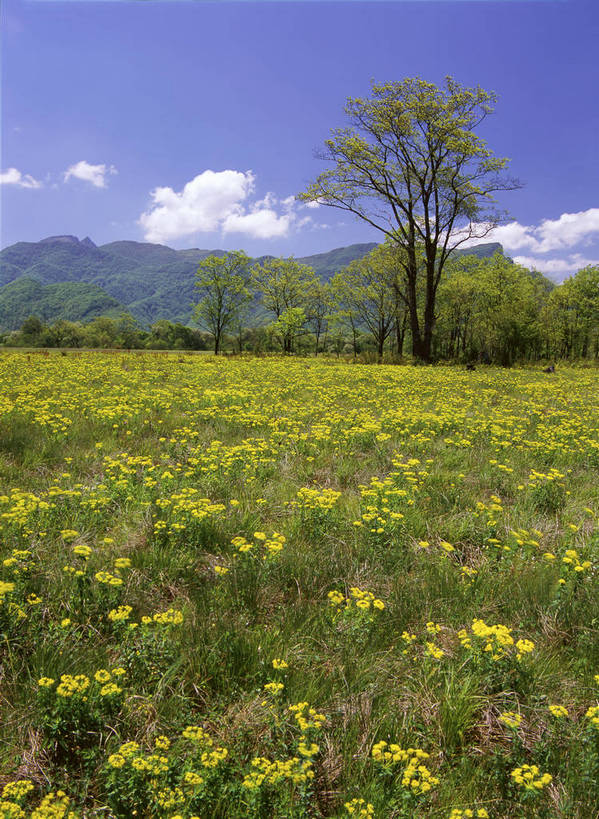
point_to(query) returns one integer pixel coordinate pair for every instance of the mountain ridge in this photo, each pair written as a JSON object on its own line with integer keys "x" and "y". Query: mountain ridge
{"x": 151, "y": 281}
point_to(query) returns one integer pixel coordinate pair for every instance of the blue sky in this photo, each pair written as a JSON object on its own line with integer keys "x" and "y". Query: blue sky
{"x": 195, "y": 123}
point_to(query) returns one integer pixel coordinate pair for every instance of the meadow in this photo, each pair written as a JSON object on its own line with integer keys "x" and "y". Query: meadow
{"x": 297, "y": 588}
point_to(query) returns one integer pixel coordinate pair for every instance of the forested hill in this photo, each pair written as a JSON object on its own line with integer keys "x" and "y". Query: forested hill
{"x": 24, "y": 297}
{"x": 148, "y": 280}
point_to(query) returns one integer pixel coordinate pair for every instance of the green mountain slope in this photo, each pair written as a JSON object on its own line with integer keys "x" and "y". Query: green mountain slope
{"x": 327, "y": 264}
{"x": 74, "y": 301}
{"x": 484, "y": 251}
{"x": 151, "y": 281}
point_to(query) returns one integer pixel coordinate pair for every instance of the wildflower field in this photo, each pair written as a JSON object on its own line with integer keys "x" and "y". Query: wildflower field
{"x": 297, "y": 588}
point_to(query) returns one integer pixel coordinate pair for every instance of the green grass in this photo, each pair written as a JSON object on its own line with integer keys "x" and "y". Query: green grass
{"x": 123, "y": 449}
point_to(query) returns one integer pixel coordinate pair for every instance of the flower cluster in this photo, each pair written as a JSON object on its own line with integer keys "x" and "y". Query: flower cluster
{"x": 416, "y": 777}
{"x": 272, "y": 772}
{"x": 496, "y": 641}
{"x": 263, "y": 546}
{"x": 310, "y": 499}
{"x": 530, "y": 778}
{"x": 359, "y": 807}
{"x": 358, "y": 599}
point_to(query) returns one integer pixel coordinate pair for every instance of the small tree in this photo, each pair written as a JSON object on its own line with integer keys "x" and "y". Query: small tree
{"x": 64, "y": 333}
{"x": 337, "y": 327}
{"x": 101, "y": 332}
{"x": 571, "y": 316}
{"x": 585, "y": 288}
{"x": 411, "y": 166}
{"x": 344, "y": 315}
{"x": 366, "y": 290}
{"x": 319, "y": 309}
{"x": 285, "y": 284}
{"x": 458, "y": 300}
{"x": 241, "y": 324}
{"x": 223, "y": 285}
{"x": 288, "y": 326}
{"x": 130, "y": 334}
{"x": 31, "y": 331}
{"x": 490, "y": 307}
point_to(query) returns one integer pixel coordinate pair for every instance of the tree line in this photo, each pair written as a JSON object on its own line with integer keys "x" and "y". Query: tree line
{"x": 486, "y": 310}
{"x": 106, "y": 332}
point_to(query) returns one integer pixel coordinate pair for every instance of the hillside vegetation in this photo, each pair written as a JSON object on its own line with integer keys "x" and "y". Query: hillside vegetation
{"x": 285, "y": 588}
{"x": 150, "y": 281}
{"x": 70, "y": 301}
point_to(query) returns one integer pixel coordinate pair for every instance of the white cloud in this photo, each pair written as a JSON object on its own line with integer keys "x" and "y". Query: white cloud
{"x": 569, "y": 230}
{"x": 563, "y": 233}
{"x": 564, "y": 238}
{"x": 95, "y": 174}
{"x": 216, "y": 200}
{"x": 14, "y": 177}
{"x": 269, "y": 201}
{"x": 261, "y": 224}
{"x": 513, "y": 236}
{"x": 556, "y": 267}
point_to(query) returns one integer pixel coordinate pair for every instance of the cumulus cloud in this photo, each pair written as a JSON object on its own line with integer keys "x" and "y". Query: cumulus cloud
{"x": 213, "y": 201}
{"x": 261, "y": 224}
{"x": 94, "y": 174}
{"x": 558, "y": 268}
{"x": 569, "y": 230}
{"x": 14, "y": 177}
{"x": 563, "y": 233}
{"x": 563, "y": 238}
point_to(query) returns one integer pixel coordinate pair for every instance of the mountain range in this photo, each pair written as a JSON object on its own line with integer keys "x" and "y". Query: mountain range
{"x": 64, "y": 277}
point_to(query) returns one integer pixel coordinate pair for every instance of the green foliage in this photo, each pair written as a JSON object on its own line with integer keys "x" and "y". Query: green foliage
{"x": 222, "y": 283}
{"x": 571, "y": 316}
{"x": 150, "y": 281}
{"x": 288, "y": 289}
{"x": 411, "y": 166}
{"x": 288, "y": 326}
{"x": 106, "y": 332}
{"x": 74, "y": 710}
{"x": 366, "y": 292}
{"x": 487, "y": 308}
{"x": 490, "y": 308}
{"x": 72, "y": 301}
{"x": 284, "y": 284}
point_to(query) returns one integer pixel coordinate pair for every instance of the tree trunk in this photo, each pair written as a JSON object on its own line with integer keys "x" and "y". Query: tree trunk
{"x": 429, "y": 313}
{"x": 585, "y": 345}
{"x": 355, "y": 340}
{"x": 418, "y": 349}
{"x": 400, "y": 333}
